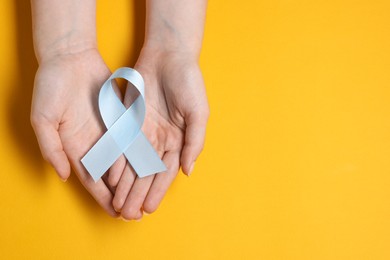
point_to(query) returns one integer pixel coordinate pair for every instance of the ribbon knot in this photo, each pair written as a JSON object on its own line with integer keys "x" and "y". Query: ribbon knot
{"x": 124, "y": 135}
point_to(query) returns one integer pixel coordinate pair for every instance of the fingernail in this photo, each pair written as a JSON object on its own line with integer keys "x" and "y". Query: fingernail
{"x": 138, "y": 220}
{"x": 191, "y": 168}
{"x": 146, "y": 213}
{"x": 125, "y": 220}
{"x": 63, "y": 180}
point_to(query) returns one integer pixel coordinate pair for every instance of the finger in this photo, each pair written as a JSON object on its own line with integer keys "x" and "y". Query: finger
{"x": 133, "y": 204}
{"x": 123, "y": 188}
{"x": 116, "y": 170}
{"x": 132, "y": 208}
{"x": 194, "y": 140}
{"x": 99, "y": 190}
{"x": 51, "y": 147}
{"x": 105, "y": 180}
{"x": 162, "y": 182}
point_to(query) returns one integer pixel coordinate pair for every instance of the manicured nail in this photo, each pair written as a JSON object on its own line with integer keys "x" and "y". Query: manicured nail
{"x": 191, "y": 168}
{"x": 125, "y": 220}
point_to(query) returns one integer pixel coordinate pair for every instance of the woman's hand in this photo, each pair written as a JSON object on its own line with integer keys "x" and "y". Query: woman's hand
{"x": 66, "y": 118}
{"x": 175, "y": 123}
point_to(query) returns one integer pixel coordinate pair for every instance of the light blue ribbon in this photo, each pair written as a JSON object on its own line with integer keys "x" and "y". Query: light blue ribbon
{"x": 124, "y": 135}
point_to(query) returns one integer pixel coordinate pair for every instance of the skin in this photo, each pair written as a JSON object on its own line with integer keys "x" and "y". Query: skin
{"x": 177, "y": 108}
{"x": 63, "y": 114}
{"x": 71, "y": 71}
{"x": 64, "y": 117}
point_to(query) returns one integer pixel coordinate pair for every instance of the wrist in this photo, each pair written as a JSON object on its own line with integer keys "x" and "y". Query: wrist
{"x": 63, "y": 27}
{"x": 175, "y": 26}
{"x": 157, "y": 54}
{"x": 172, "y": 44}
{"x": 64, "y": 47}
{"x": 154, "y": 61}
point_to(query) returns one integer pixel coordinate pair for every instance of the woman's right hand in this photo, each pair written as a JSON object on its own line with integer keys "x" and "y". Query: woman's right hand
{"x": 66, "y": 118}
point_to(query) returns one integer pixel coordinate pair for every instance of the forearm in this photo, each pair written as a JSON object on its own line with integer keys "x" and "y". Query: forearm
{"x": 175, "y": 25}
{"x": 63, "y": 26}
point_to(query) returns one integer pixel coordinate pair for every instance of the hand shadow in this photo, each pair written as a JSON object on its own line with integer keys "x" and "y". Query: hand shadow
{"x": 20, "y": 100}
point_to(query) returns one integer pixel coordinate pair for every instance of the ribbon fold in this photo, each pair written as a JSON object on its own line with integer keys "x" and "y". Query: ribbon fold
{"x": 124, "y": 135}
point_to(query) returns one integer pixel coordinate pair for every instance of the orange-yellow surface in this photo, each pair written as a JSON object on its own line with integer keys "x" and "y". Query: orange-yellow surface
{"x": 297, "y": 158}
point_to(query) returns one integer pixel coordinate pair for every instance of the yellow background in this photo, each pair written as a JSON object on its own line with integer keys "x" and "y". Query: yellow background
{"x": 297, "y": 158}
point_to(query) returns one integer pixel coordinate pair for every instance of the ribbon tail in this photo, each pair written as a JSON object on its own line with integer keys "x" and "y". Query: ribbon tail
{"x": 143, "y": 158}
{"x": 101, "y": 156}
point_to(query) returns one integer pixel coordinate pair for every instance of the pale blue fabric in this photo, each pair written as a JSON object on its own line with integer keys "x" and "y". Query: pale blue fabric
{"x": 124, "y": 135}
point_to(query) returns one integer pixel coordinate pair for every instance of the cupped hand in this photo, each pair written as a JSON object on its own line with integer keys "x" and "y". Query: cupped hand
{"x": 175, "y": 123}
{"x": 66, "y": 119}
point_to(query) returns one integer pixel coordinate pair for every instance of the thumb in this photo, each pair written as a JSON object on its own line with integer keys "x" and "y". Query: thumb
{"x": 51, "y": 147}
{"x": 194, "y": 140}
